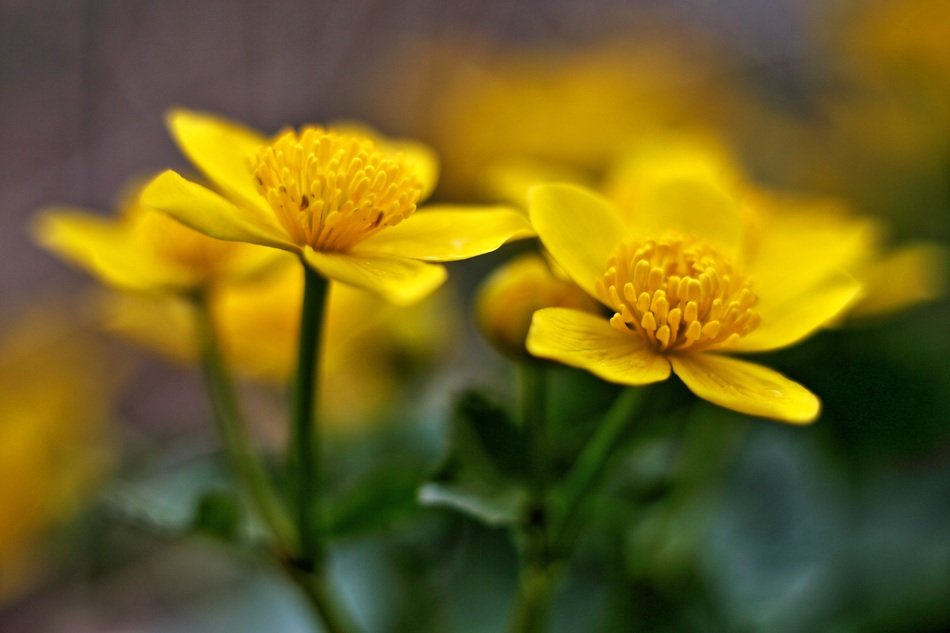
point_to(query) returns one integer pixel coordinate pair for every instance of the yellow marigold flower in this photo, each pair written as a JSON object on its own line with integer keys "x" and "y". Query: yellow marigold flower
{"x": 257, "y": 323}
{"x": 796, "y": 230}
{"x": 682, "y": 288}
{"x": 575, "y": 108}
{"x": 54, "y": 438}
{"x": 144, "y": 250}
{"x": 340, "y": 198}
{"x": 507, "y": 299}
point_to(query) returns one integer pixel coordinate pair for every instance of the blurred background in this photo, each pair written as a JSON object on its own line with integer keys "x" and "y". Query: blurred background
{"x": 105, "y": 449}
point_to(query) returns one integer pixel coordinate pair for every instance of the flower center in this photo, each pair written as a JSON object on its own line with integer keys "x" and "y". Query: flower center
{"x": 331, "y": 190}
{"x": 678, "y": 294}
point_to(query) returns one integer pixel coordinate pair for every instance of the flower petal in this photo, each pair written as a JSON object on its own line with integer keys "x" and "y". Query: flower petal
{"x": 801, "y": 242}
{"x": 587, "y": 341}
{"x": 689, "y": 207}
{"x": 800, "y": 315}
{"x": 579, "y": 228}
{"x": 509, "y": 180}
{"x": 910, "y": 275}
{"x": 398, "y": 280}
{"x": 445, "y": 233}
{"x": 221, "y": 149}
{"x": 207, "y": 212}
{"x": 746, "y": 387}
{"x": 107, "y": 250}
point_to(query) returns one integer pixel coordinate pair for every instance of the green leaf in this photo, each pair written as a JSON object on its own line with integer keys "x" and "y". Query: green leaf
{"x": 483, "y": 424}
{"x": 483, "y": 471}
{"x": 377, "y": 500}
{"x": 218, "y": 514}
{"x": 492, "y": 506}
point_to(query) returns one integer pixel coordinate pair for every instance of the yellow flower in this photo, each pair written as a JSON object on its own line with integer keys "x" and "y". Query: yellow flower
{"x": 507, "y": 299}
{"x": 144, "y": 250}
{"x": 575, "y": 108}
{"x": 368, "y": 341}
{"x": 340, "y": 198}
{"x": 789, "y": 227}
{"x": 682, "y": 287}
{"x": 54, "y": 439}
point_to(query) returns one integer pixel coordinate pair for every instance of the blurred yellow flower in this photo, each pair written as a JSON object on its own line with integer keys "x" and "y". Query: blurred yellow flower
{"x": 144, "y": 250}
{"x": 683, "y": 287}
{"x": 507, "y": 299}
{"x": 341, "y": 198}
{"x": 572, "y": 108}
{"x": 55, "y": 445}
{"x": 371, "y": 346}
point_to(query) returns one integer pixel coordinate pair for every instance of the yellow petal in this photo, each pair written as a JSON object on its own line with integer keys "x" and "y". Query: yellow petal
{"x": 911, "y": 275}
{"x": 746, "y": 387}
{"x": 689, "y": 207}
{"x": 448, "y": 233}
{"x": 580, "y": 229}
{"x": 423, "y": 161}
{"x": 587, "y": 341}
{"x": 207, "y": 212}
{"x": 510, "y": 180}
{"x": 221, "y": 149}
{"x": 798, "y": 316}
{"x": 398, "y": 280}
{"x": 801, "y": 242}
{"x": 107, "y": 250}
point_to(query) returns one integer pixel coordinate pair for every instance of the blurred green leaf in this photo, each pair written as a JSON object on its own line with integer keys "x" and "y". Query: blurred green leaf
{"x": 495, "y": 507}
{"x": 484, "y": 466}
{"x": 218, "y": 514}
{"x": 380, "y": 498}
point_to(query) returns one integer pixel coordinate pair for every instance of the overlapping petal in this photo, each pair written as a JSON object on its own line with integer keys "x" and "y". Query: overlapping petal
{"x": 221, "y": 149}
{"x": 587, "y": 341}
{"x": 746, "y": 387}
{"x": 399, "y": 280}
{"x": 104, "y": 248}
{"x": 910, "y": 275}
{"x": 689, "y": 207}
{"x": 579, "y": 228}
{"x": 787, "y": 322}
{"x": 446, "y": 233}
{"x": 205, "y": 211}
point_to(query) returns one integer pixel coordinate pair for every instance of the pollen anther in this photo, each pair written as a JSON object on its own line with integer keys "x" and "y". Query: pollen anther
{"x": 678, "y": 293}
{"x": 331, "y": 190}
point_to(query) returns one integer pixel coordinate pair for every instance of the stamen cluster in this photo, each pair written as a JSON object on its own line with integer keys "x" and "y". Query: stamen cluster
{"x": 331, "y": 190}
{"x": 678, "y": 294}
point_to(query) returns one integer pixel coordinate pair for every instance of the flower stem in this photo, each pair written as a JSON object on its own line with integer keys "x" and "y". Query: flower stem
{"x": 304, "y": 448}
{"x": 536, "y": 578}
{"x": 250, "y": 473}
{"x": 592, "y": 462}
{"x": 317, "y": 592}
{"x": 308, "y": 569}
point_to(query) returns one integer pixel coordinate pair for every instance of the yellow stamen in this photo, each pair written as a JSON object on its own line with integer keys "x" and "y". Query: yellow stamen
{"x": 331, "y": 190}
{"x": 678, "y": 294}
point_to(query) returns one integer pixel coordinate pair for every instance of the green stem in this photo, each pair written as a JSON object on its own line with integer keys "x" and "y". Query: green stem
{"x": 535, "y": 590}
{"x": 317, "y": 593}
{"x": 534, "y": 422}
{"x": 593, "y": 460}
{"x": 304, "y": 448}
{"x": 536, "y": 579}
{"x": 308, "y": 569}
{"x": 249, "y": 471}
